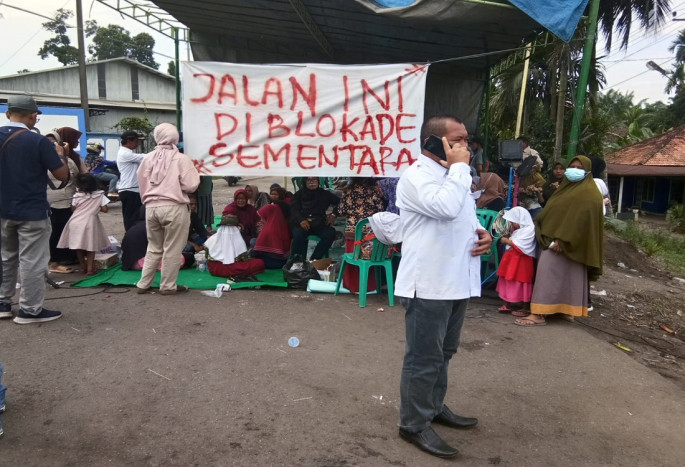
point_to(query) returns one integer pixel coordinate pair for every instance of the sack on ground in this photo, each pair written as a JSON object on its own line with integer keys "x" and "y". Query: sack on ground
{"x": 297, "y": 272}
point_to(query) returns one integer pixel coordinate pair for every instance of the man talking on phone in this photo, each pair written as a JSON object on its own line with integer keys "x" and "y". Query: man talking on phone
{"x": 439, "y": 272}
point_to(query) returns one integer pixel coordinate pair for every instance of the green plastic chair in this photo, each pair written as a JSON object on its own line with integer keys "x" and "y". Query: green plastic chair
{"x": 379, "y": 258}
{"x": 317, "y": 239}
{"x": 489, "y": 261}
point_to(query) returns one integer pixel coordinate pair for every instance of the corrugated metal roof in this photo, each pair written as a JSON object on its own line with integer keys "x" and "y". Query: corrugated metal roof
{"x": 350, "y": 32}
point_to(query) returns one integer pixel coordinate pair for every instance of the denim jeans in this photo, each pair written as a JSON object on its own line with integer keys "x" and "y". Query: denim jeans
{"x": 433, "y": 329}
{"x": 108, "y": 178}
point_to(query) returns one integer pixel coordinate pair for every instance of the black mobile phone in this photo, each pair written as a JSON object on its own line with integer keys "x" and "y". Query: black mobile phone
{"x": 434, "y": 145}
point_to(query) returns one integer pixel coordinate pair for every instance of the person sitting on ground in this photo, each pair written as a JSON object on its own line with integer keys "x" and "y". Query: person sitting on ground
{"x": 134, "y": 247}
{"x": 493, "y": 192}
{"x": 308, "y": 217}
{"x": 197, "y": 233}
{"x": 279, "y": 194}
{"x": 227, "y": 254}
{"x": 255, "y": 197}
{"x": 84, "y": 231}
{"x": 516, "y": 270}
{"x": 96, "y": 165}
{"x": 553, "y": 181}
{"x": 273, "y": 242}
{"x": 361, "y": 198}
{"x": 246, "y": 214}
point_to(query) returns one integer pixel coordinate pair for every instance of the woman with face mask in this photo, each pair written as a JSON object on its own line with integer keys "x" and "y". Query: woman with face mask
{"x": 570, "y": 232}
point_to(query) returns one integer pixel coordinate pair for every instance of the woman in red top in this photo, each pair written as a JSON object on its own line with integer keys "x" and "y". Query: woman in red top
{"x": 246, "y": 214}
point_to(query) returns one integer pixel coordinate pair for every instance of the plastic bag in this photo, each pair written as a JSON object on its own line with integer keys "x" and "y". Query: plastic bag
{"x": 297, "y": 272}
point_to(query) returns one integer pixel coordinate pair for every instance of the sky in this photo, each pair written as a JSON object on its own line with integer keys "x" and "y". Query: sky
{"x": 626, "y": 71}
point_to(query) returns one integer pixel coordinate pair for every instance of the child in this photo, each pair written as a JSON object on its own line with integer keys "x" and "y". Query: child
{"x": 515, "y": 271}
{"x": 84, "y": 232}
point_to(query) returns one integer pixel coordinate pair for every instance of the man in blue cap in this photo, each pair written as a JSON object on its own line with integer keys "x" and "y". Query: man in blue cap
{"x": 25, "y": 159}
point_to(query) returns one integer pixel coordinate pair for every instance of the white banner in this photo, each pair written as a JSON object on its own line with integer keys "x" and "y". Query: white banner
{"x": 294, "y": 120}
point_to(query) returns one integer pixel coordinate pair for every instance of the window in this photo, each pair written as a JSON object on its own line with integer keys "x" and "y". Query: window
{"x": 648, "y": 189}
{"x": 102, "y": 81}
{"x": 135, "y": 93}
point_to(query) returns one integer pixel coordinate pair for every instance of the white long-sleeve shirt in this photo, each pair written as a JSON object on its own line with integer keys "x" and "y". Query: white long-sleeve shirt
{"x": 128, "y": 163}
{"x": 439, "y": 223}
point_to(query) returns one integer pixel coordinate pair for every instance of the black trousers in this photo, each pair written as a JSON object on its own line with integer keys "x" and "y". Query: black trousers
{"x": 130, "y": 207}
{"x": 58, "y": 219}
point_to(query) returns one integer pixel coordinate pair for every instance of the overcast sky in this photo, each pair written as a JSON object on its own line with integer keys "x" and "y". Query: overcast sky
{"x": 22, "y": 35}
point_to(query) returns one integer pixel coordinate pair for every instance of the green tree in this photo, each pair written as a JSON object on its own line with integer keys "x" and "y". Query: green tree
{"x": 114, "y": 41}
{"x": 619, "y": 16}
{"x": 59, "y": 46}
{"x": 171, "y": 68}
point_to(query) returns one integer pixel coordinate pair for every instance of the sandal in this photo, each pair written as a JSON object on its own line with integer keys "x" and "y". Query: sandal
{"x": 529, "y": 322}
{"x": 520, "y": 313}
{"x": 504, "y": 309}
{"x": 61, "y": 269}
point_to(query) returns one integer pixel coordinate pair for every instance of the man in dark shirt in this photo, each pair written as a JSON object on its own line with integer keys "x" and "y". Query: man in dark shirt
{"x": 308, "y": 217}
{"x": 25, "y": 159}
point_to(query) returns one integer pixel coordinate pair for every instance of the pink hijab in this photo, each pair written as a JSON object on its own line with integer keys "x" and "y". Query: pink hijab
{"x": 166, "y": 136}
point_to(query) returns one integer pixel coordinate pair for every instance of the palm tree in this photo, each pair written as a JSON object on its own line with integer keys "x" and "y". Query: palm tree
{"x": 618, "y": 15}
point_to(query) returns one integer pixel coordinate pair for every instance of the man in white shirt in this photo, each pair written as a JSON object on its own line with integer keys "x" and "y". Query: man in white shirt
{"x": 128, "y": 188}
{"x": 439, "y": 272}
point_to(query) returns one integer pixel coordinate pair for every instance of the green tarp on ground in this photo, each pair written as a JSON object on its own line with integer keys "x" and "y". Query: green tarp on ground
{"x": 191, "y": 277}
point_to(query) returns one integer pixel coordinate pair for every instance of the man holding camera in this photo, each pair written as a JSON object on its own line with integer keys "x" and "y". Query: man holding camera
{"x": 439, "y": 272}
{"x": 25, "y": 159}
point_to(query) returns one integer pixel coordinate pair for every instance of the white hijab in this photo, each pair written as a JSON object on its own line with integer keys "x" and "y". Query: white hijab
{"x": 523, "y": 237}
{"x": 226, "y": 244}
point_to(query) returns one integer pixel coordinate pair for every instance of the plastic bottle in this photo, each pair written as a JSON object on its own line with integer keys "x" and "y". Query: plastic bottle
{"x": 293, "y": 342}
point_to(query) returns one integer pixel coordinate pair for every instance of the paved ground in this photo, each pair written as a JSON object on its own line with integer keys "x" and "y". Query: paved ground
{"x": 124, "y": 379}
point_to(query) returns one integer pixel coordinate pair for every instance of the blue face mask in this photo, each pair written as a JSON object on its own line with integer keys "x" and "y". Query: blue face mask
{"x": 575, "y": 175}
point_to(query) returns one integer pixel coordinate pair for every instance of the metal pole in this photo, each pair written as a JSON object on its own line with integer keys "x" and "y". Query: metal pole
{"x": 486, "y": 119}
{"x": 583, "y": 79}
{"x": 83, "y": 83}
{"x": 178, "y": 81}
{"x": 620, "y": 195}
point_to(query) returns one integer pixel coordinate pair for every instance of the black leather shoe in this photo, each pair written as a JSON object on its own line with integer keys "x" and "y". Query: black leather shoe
{"x": 446, "y": 417}
{"x": 429, "y": 441}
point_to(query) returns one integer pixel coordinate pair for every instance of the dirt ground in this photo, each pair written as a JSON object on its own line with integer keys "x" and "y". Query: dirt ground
{"x": 124, "y": 379}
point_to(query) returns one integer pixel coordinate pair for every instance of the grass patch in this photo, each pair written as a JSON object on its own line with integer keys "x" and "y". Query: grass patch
{"x": 667, "y": 246}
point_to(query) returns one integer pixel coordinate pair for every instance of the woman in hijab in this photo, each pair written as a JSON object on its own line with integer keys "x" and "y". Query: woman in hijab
{"x": 273, "y": 242}
{"x": 166, "y": 177}
{"x": 570, "y": 231}
{"x": 256, "y": 198}
{"x": 60, "y": 213}
{"x": 246, "y": 214}
{"x": 308, "y": 217}
{"x": 71, "y": 136}
{"x": 226, "y": 251}
{"x": 516, "y": 270}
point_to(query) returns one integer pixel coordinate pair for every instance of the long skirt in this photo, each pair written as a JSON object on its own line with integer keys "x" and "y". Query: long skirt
{"x": 561, "y": 286}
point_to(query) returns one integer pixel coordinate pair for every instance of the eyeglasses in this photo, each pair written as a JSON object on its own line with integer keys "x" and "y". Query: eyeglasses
{"x": 37, "y": 117}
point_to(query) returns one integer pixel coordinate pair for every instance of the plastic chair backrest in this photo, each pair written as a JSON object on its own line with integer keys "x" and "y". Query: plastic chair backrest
{"x": 486, "y": 217}
{"x": 379, "y": 251}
